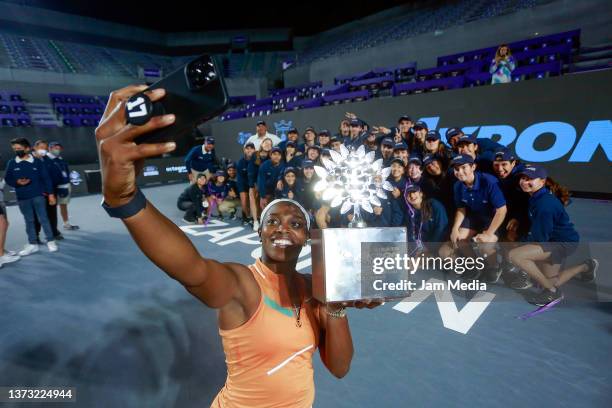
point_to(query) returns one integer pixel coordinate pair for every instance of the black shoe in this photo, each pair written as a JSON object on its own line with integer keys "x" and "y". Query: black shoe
{"x": 58, "y": 237}
{"x": 471, "y": 274}
{"x": 521, "y": 281}
{"x": 38, "y": 241}
{"x": 545, "y": 297}
{"x": 491, "y": 274}
{"x": 591, "y": 273}
{"x": 509, "y": 273}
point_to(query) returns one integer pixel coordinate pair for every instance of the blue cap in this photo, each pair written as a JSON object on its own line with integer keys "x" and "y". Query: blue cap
{"x": 310, "y": 129}
{"x": 400, "y": 146}
{"x": 387, "y": 141}
{"x": 293, "y": 130}
{"x": 355, "y": 122}
{"x": 250, "y": 144}
{"x": 53, "y": 144}
{"x": 314, "y": 147}
{"x": 404, "y": 117}
{"x": 452, "y": 132}
{"x": 276, "y": 149}
{"x": 466, "y": 139}
{"x": 534, "y": 171}
{"x": 416, "y": 160}
{"x": 325, "y": 152}
{"x": 410, "y": 187}
{"x": 324, "y": 132}
{"x": 290, "y": 170}
{"x": 432, "y": 135}
{"x": 431, "y": 157}
{"x": 397, "y": 160}
{"x": 209, "y": 140}
{"x": 261, "y": 122}
{"x": 220, "y": 173}
{"x": 230, "y": 165}
{"x": 421, "y": 124}
{"x": 307, "y": 163}
{"x": 290, "y": 143}
{"x": 504, "y": 155}
{"x": 461, "y": 159}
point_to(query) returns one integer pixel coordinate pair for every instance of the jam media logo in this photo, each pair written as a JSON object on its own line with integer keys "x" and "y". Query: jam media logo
{"x": 597, "y": 134}
{"x": 176, "y": 169}
{"x": 150, "y": 171}
{"x": 243, "y": 137}
{"x": 282, "y": 127}
{"x": 75, "y": 178}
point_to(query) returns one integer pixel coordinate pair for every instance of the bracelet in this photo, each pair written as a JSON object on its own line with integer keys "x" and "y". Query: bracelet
{"x": 133, "y": 207}
{"x": 338, "y": 314}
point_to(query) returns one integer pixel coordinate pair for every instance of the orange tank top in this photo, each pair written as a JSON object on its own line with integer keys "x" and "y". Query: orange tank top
{"x": 269, "y": 358}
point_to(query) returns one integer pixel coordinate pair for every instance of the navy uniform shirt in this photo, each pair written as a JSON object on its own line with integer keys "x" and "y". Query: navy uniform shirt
{"x": 482, "y": 199}
{"x": 549, "y": 220}
{"x": 284, "y": 192}
{"x": 305, "y": 193}
{"x": 34, "y": 170}
{"x": 242, "y": 176}
{"x": 267, "y": 177}
{"x": 517, "y": 200}
{"x": 200, "y": 160}
{"x": 434, "y": 229}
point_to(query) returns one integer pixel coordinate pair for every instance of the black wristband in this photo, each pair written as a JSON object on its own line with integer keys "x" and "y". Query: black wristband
{"x": 136, "y": 204}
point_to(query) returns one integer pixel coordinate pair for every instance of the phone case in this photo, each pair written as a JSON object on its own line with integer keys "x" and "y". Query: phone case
{"x": 192, "y": 94}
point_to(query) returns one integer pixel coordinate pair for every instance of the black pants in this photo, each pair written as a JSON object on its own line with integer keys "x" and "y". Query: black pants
{"x": 52, "y": 215}
{"x": 191, "y": 210}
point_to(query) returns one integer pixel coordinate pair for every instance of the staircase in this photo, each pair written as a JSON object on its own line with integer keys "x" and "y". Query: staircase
{"x": 43, "y": 115}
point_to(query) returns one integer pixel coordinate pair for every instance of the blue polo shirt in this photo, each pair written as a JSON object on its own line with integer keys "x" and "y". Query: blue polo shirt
{"x": 267, "y": 177}
{"x": 549, "y": 220}
{"x": 200, "y": 160}
{"x": 34, "y": 170}
{"x": 242, "y": 176}
{"x": 482, "y": 199}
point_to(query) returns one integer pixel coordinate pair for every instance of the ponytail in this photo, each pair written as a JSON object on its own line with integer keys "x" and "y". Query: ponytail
{"x": 558, "y": 190}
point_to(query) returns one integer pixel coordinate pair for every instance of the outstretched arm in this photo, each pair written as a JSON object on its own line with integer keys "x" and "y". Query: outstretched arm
{"x": 121, "y": 159}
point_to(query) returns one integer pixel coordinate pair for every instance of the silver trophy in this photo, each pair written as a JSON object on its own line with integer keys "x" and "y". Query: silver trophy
{"x": 357, "y": 182}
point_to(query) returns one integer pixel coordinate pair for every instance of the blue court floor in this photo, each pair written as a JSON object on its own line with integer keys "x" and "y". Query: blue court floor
{"x": 100, "y": 317}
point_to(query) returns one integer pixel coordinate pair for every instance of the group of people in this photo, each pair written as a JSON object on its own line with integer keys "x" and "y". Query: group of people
{"x": 41, "y": 179}
{"x": 457, "y": 195}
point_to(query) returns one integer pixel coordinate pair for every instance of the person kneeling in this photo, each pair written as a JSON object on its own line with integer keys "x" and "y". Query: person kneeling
{"x": 194, "y": 201}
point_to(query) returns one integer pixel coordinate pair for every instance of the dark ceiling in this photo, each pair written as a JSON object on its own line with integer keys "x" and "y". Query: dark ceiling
{"x": 303, "y": 17}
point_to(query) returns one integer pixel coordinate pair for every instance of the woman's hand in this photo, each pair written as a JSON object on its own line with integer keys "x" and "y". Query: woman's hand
{"x": 454, "y": 237}
{"x": 120, "y": 158}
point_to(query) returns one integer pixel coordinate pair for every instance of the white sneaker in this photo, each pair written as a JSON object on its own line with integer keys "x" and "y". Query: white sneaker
{"x": 7, "y": 258}
{"x": 9, "y": 252}
{"x": 255, "y": 225}
{"x": 52, "y": 246}
{"x": 28, "y": 249}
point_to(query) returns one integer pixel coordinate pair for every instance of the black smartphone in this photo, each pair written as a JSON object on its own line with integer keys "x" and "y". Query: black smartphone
{"x": 194, "y": 93}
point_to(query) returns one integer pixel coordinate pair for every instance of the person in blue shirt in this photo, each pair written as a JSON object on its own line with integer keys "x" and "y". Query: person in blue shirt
{"x": 64, "y": 189}
{"x": 313, "y": 153}
{"x": 310, "y": 139}
{"x": 356, "y": 137}
{"x": 256, "y": 161}
{"x": 426, "y": 220}
{"x": 292, "y": 136}
{"x": 467, "y": 145}
{"x": 397, "y": 179}
{"x": 221, "y": 196}
{"x": 484, "y": 144}
{"x": 434, "y": 146}
{"x": 324, "y": 139}
{"x": 551, "y": 239}
{"x": 400, "y": 151}
{"x": 242, "y": 181}
{"x": 386, "y": 151}
{"x": 288, "y": 185}
{"x": 269, "y": 173}
{"x": 202, "y": 159}
{"x": 371, "y": 145}
{"x": 388, "y": 214}
{"x": 30, "y": 178}
{"x": 507, "y": 169}
{"x": 293, "y": 158}
{"x": 41, "y": 151}
{"x": 305, "y": 188}
{"x": 417, "y": 140}
{"x": 481, "y": 210}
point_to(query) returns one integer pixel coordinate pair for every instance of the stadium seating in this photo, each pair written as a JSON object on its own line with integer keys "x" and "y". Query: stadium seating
{"x": 78, "y": 110}
{"x": 13, "y": 110}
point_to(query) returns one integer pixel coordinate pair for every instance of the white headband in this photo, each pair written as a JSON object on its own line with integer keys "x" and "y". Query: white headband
{"x": 285, "y": 200}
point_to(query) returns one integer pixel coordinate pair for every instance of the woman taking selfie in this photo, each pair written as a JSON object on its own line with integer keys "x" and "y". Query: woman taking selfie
{"x": 502, "y": 66}
{"x": 268, "y": 321}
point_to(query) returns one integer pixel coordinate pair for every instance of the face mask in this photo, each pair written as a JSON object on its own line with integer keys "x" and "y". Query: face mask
{"x": 41, "y": 152}
{"x": 56, "y": 152}
{"x": 20, "y": 153}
